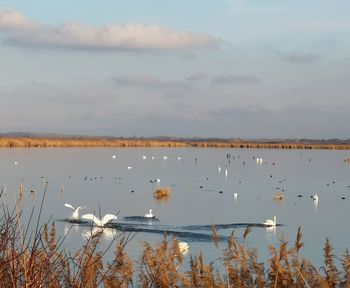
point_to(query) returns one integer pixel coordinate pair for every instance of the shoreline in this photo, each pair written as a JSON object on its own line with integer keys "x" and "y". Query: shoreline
{"x": 28, "y": 142}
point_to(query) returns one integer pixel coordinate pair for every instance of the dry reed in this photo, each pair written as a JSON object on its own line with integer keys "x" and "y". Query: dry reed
{"x": 42, "y": 142}
{"x": 38, "y": 259}
{"x": 162, "y": 193}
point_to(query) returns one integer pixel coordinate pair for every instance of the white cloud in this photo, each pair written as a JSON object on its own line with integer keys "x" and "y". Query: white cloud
{"x": 12, "y": 20}
{"x": 199, "y": 76}
{"x": 235, "y": 79}
{"x": 149, "y": 81}
{"x": 299, "y": 57}
{"x": 24, "y": 32}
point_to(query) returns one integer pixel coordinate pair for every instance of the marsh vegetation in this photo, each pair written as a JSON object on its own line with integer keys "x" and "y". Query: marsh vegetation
{"x": 42, "y": 142}
{"x": 38, "y": 258}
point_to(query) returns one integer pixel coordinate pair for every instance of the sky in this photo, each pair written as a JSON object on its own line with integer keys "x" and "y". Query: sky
{"x": 182, "y": 68}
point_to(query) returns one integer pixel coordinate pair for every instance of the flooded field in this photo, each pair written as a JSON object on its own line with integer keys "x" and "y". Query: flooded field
{"x": 231, "y": 188}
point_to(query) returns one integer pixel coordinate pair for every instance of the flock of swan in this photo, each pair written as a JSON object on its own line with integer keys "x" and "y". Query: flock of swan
{"x": 95, "y": 220}
{"x": 107, "y": 218}
{"x": 110, "y": 217}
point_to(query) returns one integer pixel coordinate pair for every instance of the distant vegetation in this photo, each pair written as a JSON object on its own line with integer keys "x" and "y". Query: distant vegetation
{"x": 162, "y": 193}
{"x": 38, "y": 140}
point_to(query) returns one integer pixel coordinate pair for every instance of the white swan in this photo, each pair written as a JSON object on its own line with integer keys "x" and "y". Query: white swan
{"x": 183, "y": 247}
{"x": 144, "y": 157}
{"x": 75, "y": 214}
{"x": 219, "y": 169}
{"x": 99, "y": 222}
{"x": 270, "y": 222}
{"x": 315, "y": 197}
{"x": 149, "y": 215}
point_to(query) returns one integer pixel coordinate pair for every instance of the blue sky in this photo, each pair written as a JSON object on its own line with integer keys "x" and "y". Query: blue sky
{"x": 224, "y": 68}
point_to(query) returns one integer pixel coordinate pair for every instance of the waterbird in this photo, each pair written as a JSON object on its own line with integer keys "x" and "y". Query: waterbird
{"x": 144, "y": 157}
{"x": 149, "y": 214}
{"x": 270, "y": 222}
{"x": 314, "y": 197}
{"x": 179, "y": 158}
{"x": 99, "y": 222}
{"x": 183, "y": 247}
{"x": 219, "y": 169}
{"x": 114, "y": 156}
{"x": 165, "y": 157}
{"x": 75, "y": 214}
{"x": 235, "y": 195}
{"x": 129, "y": 167}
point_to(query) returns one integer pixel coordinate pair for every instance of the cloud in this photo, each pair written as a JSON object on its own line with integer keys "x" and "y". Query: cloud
{"x": 26, "y": 33}
{"x": 148, "y": 81}
{"x": 299, "y": 57}
{"x": 199, "y": 76}
{"x": 11, "y": 20}
{"x": 235, "y": 79}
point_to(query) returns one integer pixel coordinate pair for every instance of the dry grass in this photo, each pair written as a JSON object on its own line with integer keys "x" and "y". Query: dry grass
{"x": 162, "y": 193}
{"x": 26, "y": 142}
{"x": 37, "y": 259}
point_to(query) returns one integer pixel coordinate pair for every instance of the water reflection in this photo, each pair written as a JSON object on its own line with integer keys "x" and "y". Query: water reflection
{"x": 106, "y": 233}
{"x": 271, "y": 231}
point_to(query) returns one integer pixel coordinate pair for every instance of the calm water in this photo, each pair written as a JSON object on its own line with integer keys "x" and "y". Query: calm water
{"x": 92, "y": 177}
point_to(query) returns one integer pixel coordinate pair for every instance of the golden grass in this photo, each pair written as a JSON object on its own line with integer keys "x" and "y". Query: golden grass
{"x": 37, "y": 259}
{"x": 36, "y": 142}
{"x": 162, "y": 193}
{"x": 279, "y": 195}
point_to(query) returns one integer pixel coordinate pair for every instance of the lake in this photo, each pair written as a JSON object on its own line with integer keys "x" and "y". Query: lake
{"x": 200, "y": 193}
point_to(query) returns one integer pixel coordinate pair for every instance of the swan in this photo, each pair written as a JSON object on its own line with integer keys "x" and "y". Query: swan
{"x": 129, "y": 167}
{"x": 144, "y": 157}
{"x": 315, "y": 197}
{"x": 99, "y": 222}
{"x": 226, "y": 172}
{"x": 149, "y": 215}
{"x": 183, "y": 247}
{"x": 219, "y": 169}
{"x": 270, "y": 222}
{"x": 75, "y": 214}
{"x": 165, "y": 157}
{"x": 235, "y": 195}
